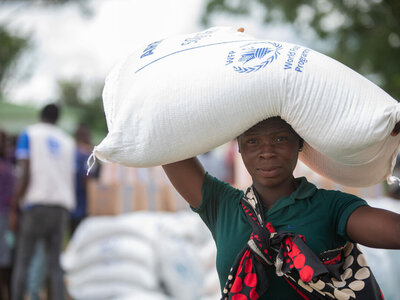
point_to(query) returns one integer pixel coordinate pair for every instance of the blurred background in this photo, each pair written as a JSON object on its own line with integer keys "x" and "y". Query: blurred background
{"x": 60, "y": 51}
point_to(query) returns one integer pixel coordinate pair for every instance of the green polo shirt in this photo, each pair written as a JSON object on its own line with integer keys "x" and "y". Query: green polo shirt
{"x": 319, "y": 215}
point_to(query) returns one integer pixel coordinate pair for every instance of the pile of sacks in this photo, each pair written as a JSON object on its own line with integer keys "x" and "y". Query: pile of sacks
{"x": 142, "y": 255}
{"x": 169, "y": 256}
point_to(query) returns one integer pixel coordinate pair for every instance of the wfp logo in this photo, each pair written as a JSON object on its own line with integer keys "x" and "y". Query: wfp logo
{"x": 253, "y": 57}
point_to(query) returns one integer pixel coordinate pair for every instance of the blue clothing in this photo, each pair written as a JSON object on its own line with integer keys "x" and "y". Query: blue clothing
{"x": 22, "y": 148}
{"x": 80, "y": 184}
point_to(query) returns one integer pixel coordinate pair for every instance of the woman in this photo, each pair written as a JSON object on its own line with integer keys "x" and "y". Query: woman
{"x": 326, "y": 219}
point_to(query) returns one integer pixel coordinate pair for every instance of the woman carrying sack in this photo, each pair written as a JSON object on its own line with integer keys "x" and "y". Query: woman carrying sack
{"x": 284, "y": 238}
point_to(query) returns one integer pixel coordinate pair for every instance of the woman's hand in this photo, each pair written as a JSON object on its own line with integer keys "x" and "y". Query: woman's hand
{"x": 396, "y": 129}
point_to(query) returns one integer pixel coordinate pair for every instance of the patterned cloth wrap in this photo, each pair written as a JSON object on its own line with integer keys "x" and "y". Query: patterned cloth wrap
{"x": 342, "y": 273}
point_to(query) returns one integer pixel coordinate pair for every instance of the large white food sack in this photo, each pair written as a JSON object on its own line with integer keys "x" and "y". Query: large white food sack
{"x": 181, "y": 96}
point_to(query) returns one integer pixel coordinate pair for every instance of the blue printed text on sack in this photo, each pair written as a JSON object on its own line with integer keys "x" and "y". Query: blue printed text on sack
{"x": 290, "y": 57}
{"x": 230, "y": 58}
{"x": 150, "y": 48}
{"x": 302, "y": 60}
{"x": 197, "y": 37}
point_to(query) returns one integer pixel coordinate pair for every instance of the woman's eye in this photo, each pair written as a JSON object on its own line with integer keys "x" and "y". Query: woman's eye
{"x": 280, "y": 139}
{"x": 252, "y": 141}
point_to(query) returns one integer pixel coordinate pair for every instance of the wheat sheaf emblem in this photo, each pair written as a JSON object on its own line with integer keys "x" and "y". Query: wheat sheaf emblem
{"x": 261, "y": 56}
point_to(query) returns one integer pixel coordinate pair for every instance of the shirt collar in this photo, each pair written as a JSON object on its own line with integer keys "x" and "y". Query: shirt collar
{"x": 304, "y": 190}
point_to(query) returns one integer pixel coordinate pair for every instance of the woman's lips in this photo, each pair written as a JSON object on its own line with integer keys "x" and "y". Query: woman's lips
{"x": 269, "y": 172}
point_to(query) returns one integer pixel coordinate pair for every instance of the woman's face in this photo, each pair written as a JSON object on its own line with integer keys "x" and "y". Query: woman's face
{"x": 270, "y": 152}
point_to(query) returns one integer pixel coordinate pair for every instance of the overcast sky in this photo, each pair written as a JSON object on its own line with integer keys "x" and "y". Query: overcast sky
{"x": 68, "y": 44}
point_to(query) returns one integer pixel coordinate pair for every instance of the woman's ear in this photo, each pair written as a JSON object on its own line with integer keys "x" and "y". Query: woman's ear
{"x": 301, "y": 144}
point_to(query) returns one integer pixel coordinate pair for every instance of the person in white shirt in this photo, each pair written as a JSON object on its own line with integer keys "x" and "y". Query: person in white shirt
{"x": 44, "y": 197}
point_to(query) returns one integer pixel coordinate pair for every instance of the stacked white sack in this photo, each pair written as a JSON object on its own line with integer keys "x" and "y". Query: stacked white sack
{"x": 184, "y": 95}
{"x": 110, "y": 257}
{"x": 186, "y": 253}
{"x": 140, "y": 256}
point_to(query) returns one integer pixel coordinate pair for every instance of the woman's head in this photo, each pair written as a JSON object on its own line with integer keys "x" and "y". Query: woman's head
{"x": 270, "y": 151}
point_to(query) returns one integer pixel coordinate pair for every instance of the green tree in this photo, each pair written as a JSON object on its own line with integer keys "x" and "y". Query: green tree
{"x": 363, "y": 34}
{"x": 12, "y": 47}
{"x": 89, "y": 108}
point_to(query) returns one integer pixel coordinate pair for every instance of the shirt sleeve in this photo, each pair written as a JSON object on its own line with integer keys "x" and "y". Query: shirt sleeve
{"x": 344, "y": 205}
{"x": 214, "y": 195}
{"x": 22, "y": 147}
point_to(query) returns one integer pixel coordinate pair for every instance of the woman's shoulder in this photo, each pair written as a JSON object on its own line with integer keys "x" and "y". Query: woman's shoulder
{"x": 325, "y": 193}
{"x": 336, "y": 194}
{"x": 217, "y": 185}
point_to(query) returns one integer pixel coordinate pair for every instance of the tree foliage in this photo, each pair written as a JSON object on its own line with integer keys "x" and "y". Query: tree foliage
{"x": 90, "y": 107}
{"x": 363, "y": 34}
{"x": 12, "y": 47}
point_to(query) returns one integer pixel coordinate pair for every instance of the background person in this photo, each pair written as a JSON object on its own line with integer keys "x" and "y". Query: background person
{"x": 45, "y": 194}
{"x": 7, "y": 181}
{"x": 84, "y": 148}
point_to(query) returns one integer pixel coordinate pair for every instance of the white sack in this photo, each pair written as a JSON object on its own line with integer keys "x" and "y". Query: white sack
{"x": 179, "y": 270}
{"x": 187, "y": 255}
{"x": 187, "y": 226}
{"x": 111, "y": 290}
{"x": 140, "y": 225}
{"x": 127, "y": 248}
{"x": 117, "y": 271}
{"x": 145, "y": 295}
{"x": 211, "y": 284}
{"x": 184, "y": 95}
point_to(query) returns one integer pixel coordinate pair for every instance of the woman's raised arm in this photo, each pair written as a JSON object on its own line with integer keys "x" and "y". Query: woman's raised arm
{"x": 187, "y": 177}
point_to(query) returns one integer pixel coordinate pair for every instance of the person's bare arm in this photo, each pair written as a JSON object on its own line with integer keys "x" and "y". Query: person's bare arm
{"x": 374, "y": 227}
{"x": 187, "y": 177}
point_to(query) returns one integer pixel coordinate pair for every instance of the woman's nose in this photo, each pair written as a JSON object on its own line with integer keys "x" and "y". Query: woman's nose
{"x": 267, "y": 151}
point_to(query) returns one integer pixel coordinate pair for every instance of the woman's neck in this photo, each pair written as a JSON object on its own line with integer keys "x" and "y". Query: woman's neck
{"x": 269, "y": 195}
